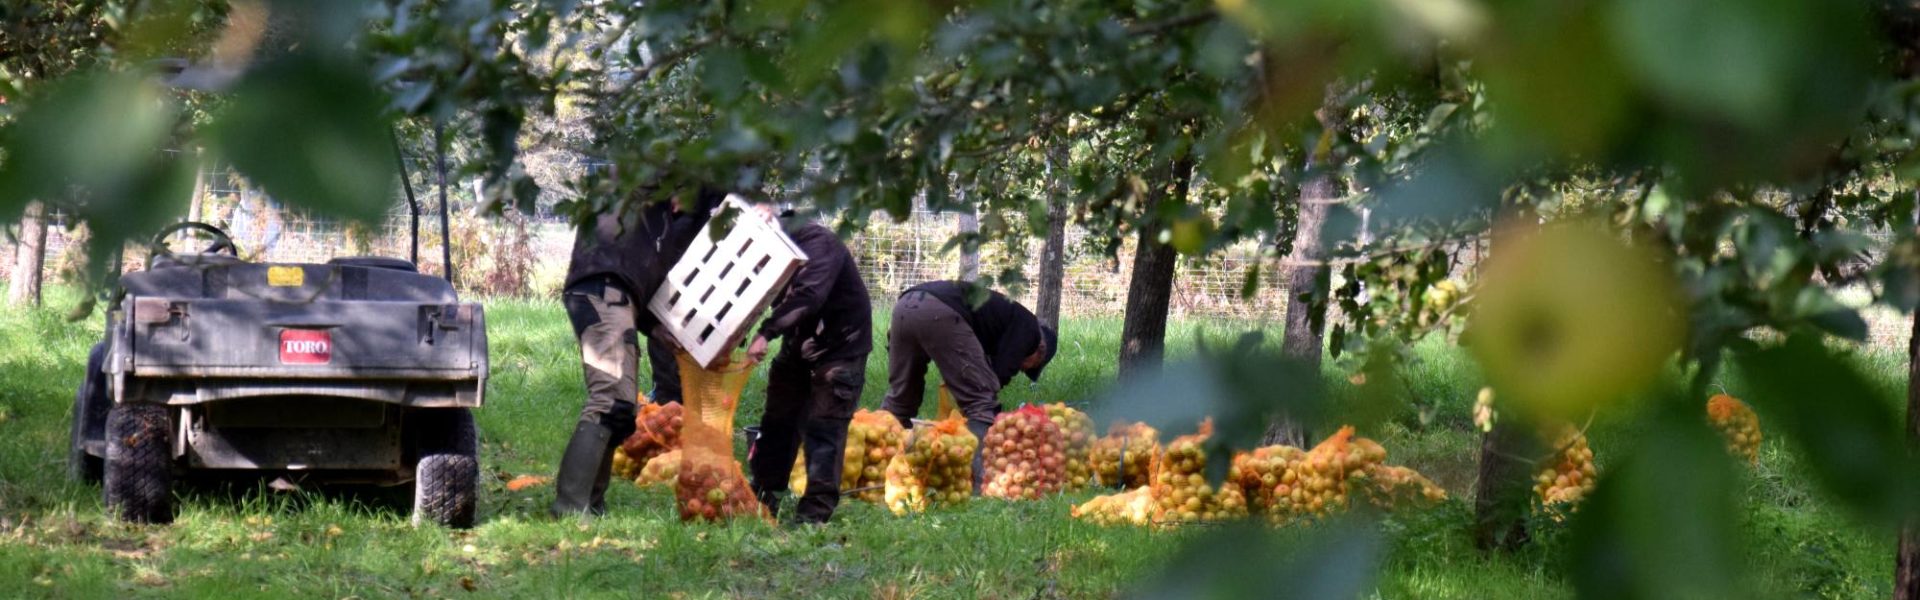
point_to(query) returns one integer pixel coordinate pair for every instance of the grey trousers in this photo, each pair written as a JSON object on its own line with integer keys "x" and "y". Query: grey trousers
{"x": 926, "y": 330}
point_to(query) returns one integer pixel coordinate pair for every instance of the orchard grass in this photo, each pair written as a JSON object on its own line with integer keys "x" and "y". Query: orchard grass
{"x": 238, "y": 540}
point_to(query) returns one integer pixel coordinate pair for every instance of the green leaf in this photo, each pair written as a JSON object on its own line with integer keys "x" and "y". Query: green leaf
{"x": 1845, "y": 427}
{"x": 1244, "y": 560}
{"x": 310, "y": 131}
{"x": 1664, "y": 523}
{"x": 97, "y": 144}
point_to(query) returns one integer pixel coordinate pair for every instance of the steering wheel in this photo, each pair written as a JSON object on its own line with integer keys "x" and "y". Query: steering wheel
{"x": 221, "y": 241}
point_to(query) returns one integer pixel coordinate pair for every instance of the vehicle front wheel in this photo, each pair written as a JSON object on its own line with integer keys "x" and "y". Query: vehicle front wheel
{"x": 139, "y": 469}
{"x": 446, "y": 479}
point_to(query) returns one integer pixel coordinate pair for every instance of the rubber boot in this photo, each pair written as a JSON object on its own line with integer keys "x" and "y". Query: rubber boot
{"x": 979, "y": 431}
{"x": 575, "y": 485}
{"x": 597, "y": 501}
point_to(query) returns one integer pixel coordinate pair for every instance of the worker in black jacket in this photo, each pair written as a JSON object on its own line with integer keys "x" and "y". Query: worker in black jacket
{"x": 826, "y": 319}
{"x": 979, "y": 348}
{"x": 618, "y": 261}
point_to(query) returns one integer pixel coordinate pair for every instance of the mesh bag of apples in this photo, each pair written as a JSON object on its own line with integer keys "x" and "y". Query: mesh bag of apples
{"x": 1025, "y": 457}
{"x": 656, "y": 431}
{"x": 1180, "y": 490}
{"x": 873, "y": 439}
{"x": 662, "y": 470}
{"x": 1077, "y": 429}
{"x": 1738, "y": 424}
{"x": 935, "y": 468}
{"x": 710, "y": 485}
{"x": 1124, "y": 457}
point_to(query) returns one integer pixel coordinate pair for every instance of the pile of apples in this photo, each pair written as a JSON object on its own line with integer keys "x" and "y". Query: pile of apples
{"x": 1134, "y": 507}
{"x": 1738, "y": 424}
{"x": 873, "y": 439}
{"x": 714, "y": 490}
{"x": 1570, "y": 473}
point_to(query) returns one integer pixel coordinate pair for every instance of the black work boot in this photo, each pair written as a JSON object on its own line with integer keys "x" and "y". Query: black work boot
{"x": 979, "y": 431}
{"x": 583, "y": 475}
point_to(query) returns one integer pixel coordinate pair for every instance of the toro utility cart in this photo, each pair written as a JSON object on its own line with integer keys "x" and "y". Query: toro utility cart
{"x": 357, "y": 370}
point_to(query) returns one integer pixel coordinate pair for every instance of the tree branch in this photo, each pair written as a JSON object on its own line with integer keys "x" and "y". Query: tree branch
{"x": 1163, "y": 26}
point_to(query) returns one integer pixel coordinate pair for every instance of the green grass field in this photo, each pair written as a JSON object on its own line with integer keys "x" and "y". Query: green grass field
{"x": 56, "y": 540}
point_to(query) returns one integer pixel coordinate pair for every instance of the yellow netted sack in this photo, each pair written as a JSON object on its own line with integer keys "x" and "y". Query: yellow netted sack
{"x": 1077, "y": 428}
{"x": 662, "y": 470}
{"x": 1025, "y": 456}
{"x": 1132, "y": 507}
{"x": 623, "y": 466}
{"x": 1738, "y": 424}
{"x": 1180, "y": 490}
{"x": 936, "y": 468}
{"x": 873, "y": 439}
{"x": 1124, "y": 458}
{"x": 945, "y": 407}
{"x": 711, "y": 486}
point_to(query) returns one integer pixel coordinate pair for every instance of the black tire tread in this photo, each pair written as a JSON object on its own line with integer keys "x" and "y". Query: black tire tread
{"x": 139, "y": 470}
{"x": 447, "y": 476}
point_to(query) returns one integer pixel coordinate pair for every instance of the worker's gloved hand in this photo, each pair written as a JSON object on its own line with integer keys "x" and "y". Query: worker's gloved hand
{"x": 757, "y": 351}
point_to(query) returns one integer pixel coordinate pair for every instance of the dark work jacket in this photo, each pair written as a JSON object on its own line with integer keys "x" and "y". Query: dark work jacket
{"x": 635, "y": 248}
{"x": 1008, "y": 332}
{"x": 824, "y": 311}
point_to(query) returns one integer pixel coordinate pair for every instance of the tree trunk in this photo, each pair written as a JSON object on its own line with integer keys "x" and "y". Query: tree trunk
{"x": 1506, "y": 473}
{"x": 1053, "y": 272}
{"x": 1143, "y": 334}
{"x": 969, "y": 256}
{"x": 1500, "y": 492}
{"x": 1307, "y": 276}
{"x": 1906, "y": 562}
{"x": 29, "y": 257}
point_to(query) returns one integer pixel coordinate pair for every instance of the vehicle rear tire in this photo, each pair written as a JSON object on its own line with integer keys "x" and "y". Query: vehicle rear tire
{"x": 446, "y": 480}
{"x": 90, "y": 407}
{"x": 139, "y": 465}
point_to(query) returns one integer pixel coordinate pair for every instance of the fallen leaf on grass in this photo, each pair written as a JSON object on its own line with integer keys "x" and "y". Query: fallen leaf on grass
{"x": 466, "y": 583}
{"x": 525, "y": 481}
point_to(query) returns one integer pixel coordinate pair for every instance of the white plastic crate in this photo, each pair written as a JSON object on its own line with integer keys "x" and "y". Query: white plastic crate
{"x": 718, "y": 289}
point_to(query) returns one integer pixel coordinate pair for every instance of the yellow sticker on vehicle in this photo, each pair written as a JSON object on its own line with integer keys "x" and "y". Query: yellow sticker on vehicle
{"x": 278, "y": 276}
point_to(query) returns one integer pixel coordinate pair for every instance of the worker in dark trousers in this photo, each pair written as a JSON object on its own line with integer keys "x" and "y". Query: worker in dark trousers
{"x": 979, "y": 348}
{"x": 617, "y": 264}
{"x": 826, "y": 318}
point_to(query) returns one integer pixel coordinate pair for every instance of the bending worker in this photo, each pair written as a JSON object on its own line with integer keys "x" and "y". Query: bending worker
{"x": 978, "y": 348}
{"x": 814, "y": 384}
{"x": 617, "y": 264}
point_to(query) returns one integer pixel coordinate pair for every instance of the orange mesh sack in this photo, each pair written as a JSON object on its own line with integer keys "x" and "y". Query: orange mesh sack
{"x": 873, "y": 439}
{"x": 1180, "y": 490}
{"x": 1267, "y": 474}
{"x": 1077, "y": 428}
{"x": 1391, "y": 487}
{"x": 935, "y": 469}
{"x": 1124, "y": 458}
{"x": 656, "y": 430}
{"x": 1025, "y": 457}
{"x": 1569, "y": 474}
{"x": 1132, "y": 507}
{"x": 662, "y": 470}
{"x": 711, "y": 485}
